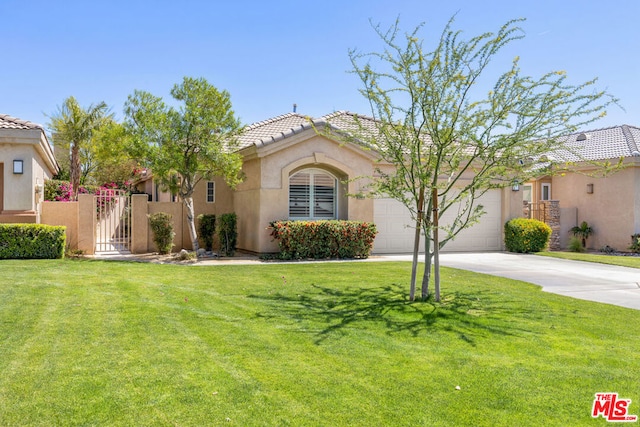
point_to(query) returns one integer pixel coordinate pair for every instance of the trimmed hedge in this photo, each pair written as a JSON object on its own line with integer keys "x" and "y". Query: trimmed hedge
{"x": 525, "y": 235}
{"x": 32, "y": 241}
{"x": 324, "y": 239}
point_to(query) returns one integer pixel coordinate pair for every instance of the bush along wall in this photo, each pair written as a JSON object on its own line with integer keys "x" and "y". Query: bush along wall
{"x": 162, "y": 228}
{"x": 323, "y": 239}
{"x": 207, "y": 229}
{"x": 525, "y": 235}
{"x": 32, "y": 241}
{"x": 228, "y": 233}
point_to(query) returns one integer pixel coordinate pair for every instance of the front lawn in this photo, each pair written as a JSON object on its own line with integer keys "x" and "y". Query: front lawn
{"x": 319, "y": 344}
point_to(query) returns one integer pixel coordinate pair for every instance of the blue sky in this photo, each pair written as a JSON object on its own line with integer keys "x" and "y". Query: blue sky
{"x": 272, "y": 54}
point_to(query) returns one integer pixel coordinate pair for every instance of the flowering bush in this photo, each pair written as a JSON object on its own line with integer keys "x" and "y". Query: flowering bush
{"x": 62, "y": 191}
{"x": 526, "y": 235}
{"x": 324, "y": 239}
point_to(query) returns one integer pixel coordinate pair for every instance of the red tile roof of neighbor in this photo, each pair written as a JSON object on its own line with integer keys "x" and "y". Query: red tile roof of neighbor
{"x": 601, "y": 144}
{"x": 8, "y": 122}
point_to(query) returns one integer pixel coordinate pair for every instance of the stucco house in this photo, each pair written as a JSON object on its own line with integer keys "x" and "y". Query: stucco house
{"x": 610, "y": 204}
{"x": 295, "y": 169}
{"x": 26, "y": 161}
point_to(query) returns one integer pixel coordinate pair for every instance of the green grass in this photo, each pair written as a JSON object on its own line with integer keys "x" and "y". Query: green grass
{"x": 623, "y": 261}
{"x": 319, "y": 344}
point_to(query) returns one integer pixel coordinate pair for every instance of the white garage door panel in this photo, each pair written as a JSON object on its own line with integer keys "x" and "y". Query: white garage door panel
{"x": 396, "y": 228}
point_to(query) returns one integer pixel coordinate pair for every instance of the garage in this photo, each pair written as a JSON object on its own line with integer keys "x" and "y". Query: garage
{"x": 396, "y": 228}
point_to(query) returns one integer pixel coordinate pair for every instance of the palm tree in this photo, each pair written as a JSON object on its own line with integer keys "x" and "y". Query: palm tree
{"x": 72, "y": 127}
{"x": 583, "y": 232}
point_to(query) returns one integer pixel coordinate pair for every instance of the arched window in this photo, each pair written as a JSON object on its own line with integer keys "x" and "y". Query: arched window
{"x": 312, "y": 195}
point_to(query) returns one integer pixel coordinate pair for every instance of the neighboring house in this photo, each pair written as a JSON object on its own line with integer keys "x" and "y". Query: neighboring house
{"x": 26, "y": 161}
{"x": 611, "y": 204}
{"x": 292, "y": 171}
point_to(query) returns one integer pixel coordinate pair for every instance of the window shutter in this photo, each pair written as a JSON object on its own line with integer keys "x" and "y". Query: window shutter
{"x": 299, "y": 195}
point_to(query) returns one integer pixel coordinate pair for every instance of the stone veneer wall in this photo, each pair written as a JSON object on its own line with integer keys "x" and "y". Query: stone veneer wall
{"x": 552, "y": 216}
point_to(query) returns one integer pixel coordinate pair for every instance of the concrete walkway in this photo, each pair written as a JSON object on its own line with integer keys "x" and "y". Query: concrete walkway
{"x": 584, "y": 280}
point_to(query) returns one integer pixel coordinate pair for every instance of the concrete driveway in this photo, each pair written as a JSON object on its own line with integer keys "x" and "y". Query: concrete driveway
{"x": 589, "y": 281}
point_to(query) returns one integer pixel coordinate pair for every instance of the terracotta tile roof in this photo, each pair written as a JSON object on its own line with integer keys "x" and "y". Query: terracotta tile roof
{"x": 8, "y": 122}
{"x": 277, "y": 128}
{"x": 598, "y": 144}
{"x": 601, "y": 144}
{"x": 273, "y": 129}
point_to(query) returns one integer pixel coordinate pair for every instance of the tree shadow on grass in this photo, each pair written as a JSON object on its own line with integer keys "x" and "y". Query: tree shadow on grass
{"x": 466, "y": 316}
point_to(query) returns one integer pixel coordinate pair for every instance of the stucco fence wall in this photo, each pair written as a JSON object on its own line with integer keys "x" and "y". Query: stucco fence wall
{"x": 79, "y": 218}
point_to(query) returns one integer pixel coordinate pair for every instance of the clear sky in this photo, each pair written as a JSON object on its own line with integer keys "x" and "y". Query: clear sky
{"x": 272, "y": 54}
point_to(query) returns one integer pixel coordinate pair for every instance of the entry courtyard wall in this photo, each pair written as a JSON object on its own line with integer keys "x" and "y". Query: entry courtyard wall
{"x": 79, "y": 218}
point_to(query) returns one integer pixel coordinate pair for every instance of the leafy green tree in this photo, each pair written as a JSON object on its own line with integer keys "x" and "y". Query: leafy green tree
{"x": 449, "y": 140}
{"x": 73, "y": 129}
{"x": 112, "y": 158}
{"x": 186, "y": 145}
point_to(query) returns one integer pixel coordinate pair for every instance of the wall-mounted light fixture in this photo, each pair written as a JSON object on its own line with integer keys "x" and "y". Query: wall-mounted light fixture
{"x": 589, "y": 188}
{"x": 515, "y": 186}
{"x": 18, "y": 167}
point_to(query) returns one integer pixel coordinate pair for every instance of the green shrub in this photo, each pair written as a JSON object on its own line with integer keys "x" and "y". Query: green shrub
{"x": 635, "y": 243}
{"x": 526, "y": 235}
{"x": 324, "y": 239}
{"x": 228, "y": 233}
{"x": 32, "y": 241}
{"x": 207, "y": 229}
{"x": 583, "y": 231}
{"x": 575, "y": 245}
{"x": 162, "y": 228}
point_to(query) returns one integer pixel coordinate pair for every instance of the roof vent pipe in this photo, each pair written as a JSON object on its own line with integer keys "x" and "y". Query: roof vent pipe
{"x": 295, "y": 107}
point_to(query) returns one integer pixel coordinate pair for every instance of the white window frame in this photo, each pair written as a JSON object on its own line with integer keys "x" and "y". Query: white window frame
{"x": 311, "y": 195}
{"x": 527, "y": 188}
{"x": 211, "y": 185}
{"x": 543, "y": 186}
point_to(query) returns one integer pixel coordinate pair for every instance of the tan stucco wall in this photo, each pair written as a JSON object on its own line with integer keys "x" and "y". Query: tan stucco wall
{"x": 261, "y": 201}
{"x": 20, "y": 198}
{"x": 612, "y": 210}
{"x": 19, "y": 189}
{"x": 65, "y": 214}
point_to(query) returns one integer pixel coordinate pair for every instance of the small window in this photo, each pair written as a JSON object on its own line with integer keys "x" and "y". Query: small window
{"x": 211, "y": 192}
{"x": 312, "y": 195}
{"x": 526, "y": 193}
{"x": 546, "y": 192}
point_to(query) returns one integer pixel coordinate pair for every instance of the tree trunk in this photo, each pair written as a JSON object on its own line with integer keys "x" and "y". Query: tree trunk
{"x": 75, "y": 171}
{"x": 426, "y": 275}
{"x": 436, "y": 245}
{"x": 416, "y": 246}
{"x": 191, "y": 224}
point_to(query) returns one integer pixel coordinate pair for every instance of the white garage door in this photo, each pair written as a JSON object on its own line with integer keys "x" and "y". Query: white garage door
{"x": 396, "y": 228}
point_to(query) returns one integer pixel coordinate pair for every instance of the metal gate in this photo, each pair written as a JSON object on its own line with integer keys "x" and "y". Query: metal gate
{"x": 114, "y": 221}
{"x": 536, "y": 211}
